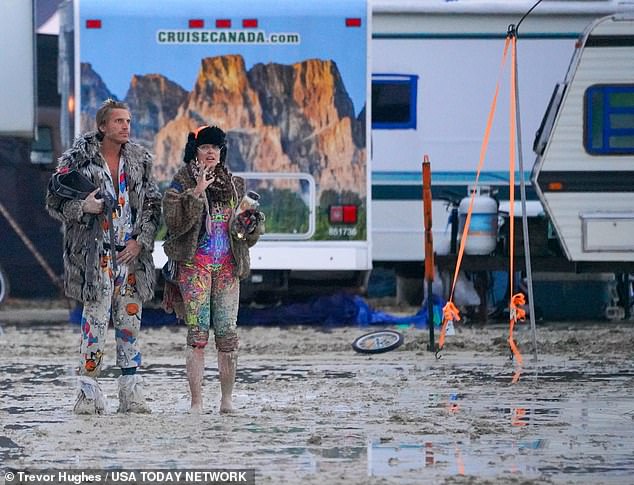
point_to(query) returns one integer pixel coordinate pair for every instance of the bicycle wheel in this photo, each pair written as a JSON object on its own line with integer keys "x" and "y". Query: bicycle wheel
{"x": 4, "y": 285}
{"x": 377, "y": 342}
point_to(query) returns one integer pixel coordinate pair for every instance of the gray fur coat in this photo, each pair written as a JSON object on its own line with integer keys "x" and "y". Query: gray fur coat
{"x": 83, "y": 233}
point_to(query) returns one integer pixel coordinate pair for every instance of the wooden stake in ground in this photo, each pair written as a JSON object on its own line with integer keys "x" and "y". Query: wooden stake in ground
{"x": 429, "y": 250}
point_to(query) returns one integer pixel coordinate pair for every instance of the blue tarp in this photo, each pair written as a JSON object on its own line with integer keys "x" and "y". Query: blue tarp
{"x": 333, "y": 310}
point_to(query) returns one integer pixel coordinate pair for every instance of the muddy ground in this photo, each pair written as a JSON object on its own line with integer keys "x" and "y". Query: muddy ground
{"x": 310, "y": 410}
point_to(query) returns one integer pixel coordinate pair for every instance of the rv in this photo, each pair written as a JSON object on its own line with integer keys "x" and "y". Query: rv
{"x": 435, "y": 67}
{"x": 584, "y": 174}
{"x": 29, "y": 146}
{"x": 279, "y": 78}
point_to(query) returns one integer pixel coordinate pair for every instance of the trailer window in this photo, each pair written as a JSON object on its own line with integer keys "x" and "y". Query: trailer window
{"x": 394, "y": 101}
{"x": 288, "y": 200}
{"x": 609, "y": 119}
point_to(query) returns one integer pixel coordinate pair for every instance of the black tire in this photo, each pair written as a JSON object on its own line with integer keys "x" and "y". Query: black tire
{"x": 378, "y": 341}
{"x": 4, "y": 285}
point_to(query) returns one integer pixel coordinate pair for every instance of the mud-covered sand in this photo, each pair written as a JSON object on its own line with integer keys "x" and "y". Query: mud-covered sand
{"x": 310, "y": 410}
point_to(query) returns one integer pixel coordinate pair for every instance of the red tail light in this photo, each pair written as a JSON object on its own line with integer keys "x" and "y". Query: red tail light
{"x": 335, "y": 214}
{"x": 342, "y": 214}
{"x": 223, "y": 24}
{"x": 250, "y": 24}
{"x": 349, "y": 214}
{"x": 196, "y": 24}
{"x": 353, "y": 22}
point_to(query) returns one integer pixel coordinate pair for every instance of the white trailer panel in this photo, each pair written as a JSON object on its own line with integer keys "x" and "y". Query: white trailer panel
{"x": 585, "y": 174}
{"x": 17, "y": 69}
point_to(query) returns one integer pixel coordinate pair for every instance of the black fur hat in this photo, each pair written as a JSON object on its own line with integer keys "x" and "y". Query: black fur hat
{"x": 205, "y": 135}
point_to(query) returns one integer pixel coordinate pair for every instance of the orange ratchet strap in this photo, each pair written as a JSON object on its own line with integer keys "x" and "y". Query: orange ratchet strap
{"x": 516, "y": 313}
{"x": 450, "y": 312}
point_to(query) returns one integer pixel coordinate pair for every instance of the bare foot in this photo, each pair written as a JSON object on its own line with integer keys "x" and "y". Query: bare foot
{"x": 196, "y": 408}
{"x": 226, "y": 407}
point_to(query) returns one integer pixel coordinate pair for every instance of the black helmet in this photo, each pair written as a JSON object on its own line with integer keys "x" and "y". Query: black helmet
{"x": 71, "y": 184}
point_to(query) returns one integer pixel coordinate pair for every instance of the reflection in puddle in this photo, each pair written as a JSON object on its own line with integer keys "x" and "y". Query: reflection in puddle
{"x": 594, "y": 438}
{"x": 573, "y": 375}
{"x": 531, "y": 458}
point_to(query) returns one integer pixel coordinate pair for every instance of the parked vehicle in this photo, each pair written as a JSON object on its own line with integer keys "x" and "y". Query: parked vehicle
{"x": 584, "y": 174}
{"x": 435, "y": 67}
{"x": 279, "y": 79}
{"x": 29, "y": 146}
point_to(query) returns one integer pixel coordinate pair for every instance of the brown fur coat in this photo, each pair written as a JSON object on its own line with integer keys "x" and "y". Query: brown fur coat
{"x": 184, "y": 215}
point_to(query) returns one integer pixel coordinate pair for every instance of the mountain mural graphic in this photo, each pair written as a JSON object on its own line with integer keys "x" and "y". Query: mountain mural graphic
{"x": 278, "y": 118}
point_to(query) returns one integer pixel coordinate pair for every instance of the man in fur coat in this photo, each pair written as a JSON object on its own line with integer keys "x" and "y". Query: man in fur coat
{"x": 108, "y": 243}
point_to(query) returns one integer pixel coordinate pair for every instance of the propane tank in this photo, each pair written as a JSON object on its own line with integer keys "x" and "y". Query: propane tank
{"x": 483, "y": 228}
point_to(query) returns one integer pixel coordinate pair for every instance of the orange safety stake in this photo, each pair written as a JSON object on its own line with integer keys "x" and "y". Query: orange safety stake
{"x": 429, "y": 249}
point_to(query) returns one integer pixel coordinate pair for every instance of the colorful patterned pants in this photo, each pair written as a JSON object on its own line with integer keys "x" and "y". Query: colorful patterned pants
{"x": 211, "y": 295}
{"x": 120, "y": 303}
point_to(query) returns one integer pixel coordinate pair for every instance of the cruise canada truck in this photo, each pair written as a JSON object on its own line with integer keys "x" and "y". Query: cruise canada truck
{"x": 288, "y": 81}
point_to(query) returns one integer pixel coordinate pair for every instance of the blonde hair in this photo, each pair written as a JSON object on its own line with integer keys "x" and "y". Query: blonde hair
{"x": 106, "y": 107}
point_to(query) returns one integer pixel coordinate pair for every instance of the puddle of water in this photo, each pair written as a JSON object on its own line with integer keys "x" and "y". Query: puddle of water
{"x": 15, "y": 426}
{"x": 255, "y": 428}
{"x": 341, "y": 453}
{"x": 7, "y": 443}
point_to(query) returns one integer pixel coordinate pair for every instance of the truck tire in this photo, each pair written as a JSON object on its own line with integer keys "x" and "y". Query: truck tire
{"x": 4, "y": 285}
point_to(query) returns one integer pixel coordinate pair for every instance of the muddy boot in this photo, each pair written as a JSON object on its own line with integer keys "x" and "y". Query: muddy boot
{"x": 90, "y": 399}
{"x": 227, "y": 363}
{"x": 131, "y": 395}
{"x": 195, "y": 364}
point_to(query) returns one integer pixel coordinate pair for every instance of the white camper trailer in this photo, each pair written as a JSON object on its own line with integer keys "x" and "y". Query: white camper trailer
{"x": 584, "y": 174}
{"x": 435, "y": 66}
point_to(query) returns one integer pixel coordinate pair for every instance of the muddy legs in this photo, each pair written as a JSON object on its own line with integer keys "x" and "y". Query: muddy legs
{"x": 195, "y": 364}
{"x": 227, "y": 363}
